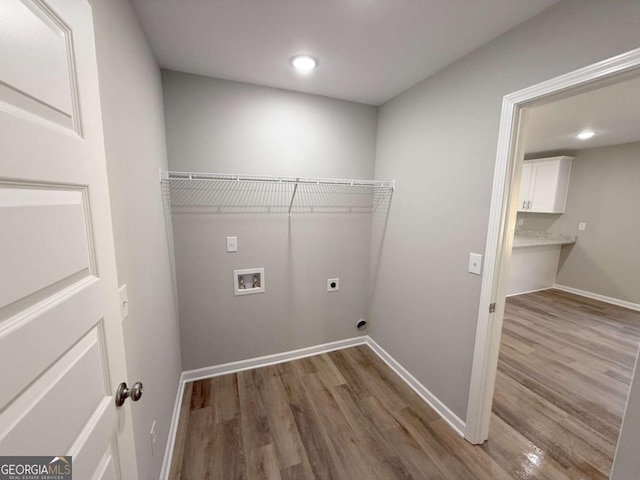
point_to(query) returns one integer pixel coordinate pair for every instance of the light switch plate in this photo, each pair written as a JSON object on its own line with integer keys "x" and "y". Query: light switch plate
{"x": 124, "y": 302}
{"x": 582, "y": 226}
{"x": 232, "y": 244}
{"x": 475, "y": 263}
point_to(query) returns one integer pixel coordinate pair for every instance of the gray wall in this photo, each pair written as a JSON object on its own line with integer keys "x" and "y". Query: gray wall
{"x": 228, "y": 127}
{"x": 132, "y": 113}
{"x": 438, "y": 140}
{"x": 603, "y": 192}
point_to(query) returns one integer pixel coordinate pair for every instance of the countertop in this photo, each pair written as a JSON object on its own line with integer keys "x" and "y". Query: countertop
{"x": 528, "y": 238}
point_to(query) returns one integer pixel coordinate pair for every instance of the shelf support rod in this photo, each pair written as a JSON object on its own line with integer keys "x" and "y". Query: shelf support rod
{"x": 293, "y": 196}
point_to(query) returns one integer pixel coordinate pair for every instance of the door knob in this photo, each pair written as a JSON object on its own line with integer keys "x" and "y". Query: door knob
{"x": 125, "y": 392}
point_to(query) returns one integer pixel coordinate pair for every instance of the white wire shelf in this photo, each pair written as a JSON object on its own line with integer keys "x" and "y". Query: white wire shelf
{"x": 228, "y": 177}
{"x": 233, "y": 193}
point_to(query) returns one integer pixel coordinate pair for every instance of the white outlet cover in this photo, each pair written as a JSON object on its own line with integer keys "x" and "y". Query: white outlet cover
{"x": 582, "y": 226}
{"x": 475, "y": 263}
{"x": 232, "y": 244}
{"x": 333, "y": 289}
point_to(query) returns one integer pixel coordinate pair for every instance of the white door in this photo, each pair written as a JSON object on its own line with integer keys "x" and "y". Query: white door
{"x": 61, "y": 345}
{"x": 525, "y": 186}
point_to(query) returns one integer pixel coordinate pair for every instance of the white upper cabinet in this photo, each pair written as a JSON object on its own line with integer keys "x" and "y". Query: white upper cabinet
{"x": 544, "y": 185}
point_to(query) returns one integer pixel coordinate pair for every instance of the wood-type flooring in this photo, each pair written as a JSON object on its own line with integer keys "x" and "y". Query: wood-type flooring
{"x": 564, "y": 370}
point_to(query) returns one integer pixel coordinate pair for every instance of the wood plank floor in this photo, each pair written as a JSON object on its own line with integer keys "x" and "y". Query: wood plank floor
{"x": 565, "y": 365}
{"x": 564, "y": 372}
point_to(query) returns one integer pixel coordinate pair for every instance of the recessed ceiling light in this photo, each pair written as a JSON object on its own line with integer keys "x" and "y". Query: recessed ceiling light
{"x": 303, "y": 63}
{"x": 586, "y": 135}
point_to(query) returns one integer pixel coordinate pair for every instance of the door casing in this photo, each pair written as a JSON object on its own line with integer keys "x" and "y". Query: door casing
{"x": 502, "y": 221}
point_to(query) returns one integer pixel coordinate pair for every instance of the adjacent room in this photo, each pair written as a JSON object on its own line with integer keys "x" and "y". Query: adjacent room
{"x": 268, "y": 240}
{"x": 570, "y": 335}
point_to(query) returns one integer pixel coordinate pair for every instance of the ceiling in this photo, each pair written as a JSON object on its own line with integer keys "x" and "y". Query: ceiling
{"x": 612, "y": 112}
{"x": 369, "y": 50}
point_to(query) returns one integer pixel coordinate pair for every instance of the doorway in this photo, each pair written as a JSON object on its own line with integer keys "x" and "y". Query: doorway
{"x": 504, "y": 216}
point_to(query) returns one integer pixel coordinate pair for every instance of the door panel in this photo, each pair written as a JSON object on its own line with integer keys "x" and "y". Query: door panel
{"x": 48, "y": 227}
{"x": 55, "y": 320}
{"x": 53, "y": 403}
{"x": 61, "y": 342}
{"x": 37, "y": 40}
{"x": 89, "y": 451}
{"x": 105, "y": 470}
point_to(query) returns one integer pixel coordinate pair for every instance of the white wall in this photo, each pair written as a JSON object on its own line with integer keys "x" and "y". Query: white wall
{"x": 133, "y": 119}
{"x": 228, "y": 127}
{"x": 603, "y": 191}
{"x": 438, "y": 140}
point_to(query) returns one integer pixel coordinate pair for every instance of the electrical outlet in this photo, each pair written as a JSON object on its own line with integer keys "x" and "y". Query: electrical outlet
{"x": 333, "y": 285}
{"x": 152, "y": 434}
{"x": 582, "y": 226}
{"x": 520, "y": 222}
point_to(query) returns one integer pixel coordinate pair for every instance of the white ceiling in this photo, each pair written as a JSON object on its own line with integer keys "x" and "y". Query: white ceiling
{"x": 612, "y": 112}
{"x": 369, "y": 50}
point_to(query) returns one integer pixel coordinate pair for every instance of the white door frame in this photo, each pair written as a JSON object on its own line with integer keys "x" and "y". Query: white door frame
{"x": 502, "y": 220}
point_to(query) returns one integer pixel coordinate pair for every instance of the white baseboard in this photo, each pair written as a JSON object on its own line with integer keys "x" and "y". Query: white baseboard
{"x": 208, "y": 372}
{"x": 232, "y": 367}
{"x": 434, "y": 402}
{"x": 529, "y": 291}
{"x": 597, "y": 296}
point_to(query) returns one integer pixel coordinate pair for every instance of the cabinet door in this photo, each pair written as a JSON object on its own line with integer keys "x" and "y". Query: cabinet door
{"x": 526, "y": 181}
{"x": 545, "y": 178}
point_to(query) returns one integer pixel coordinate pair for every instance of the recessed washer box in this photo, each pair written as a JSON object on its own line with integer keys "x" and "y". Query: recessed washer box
{"x": 248, "y": 280}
